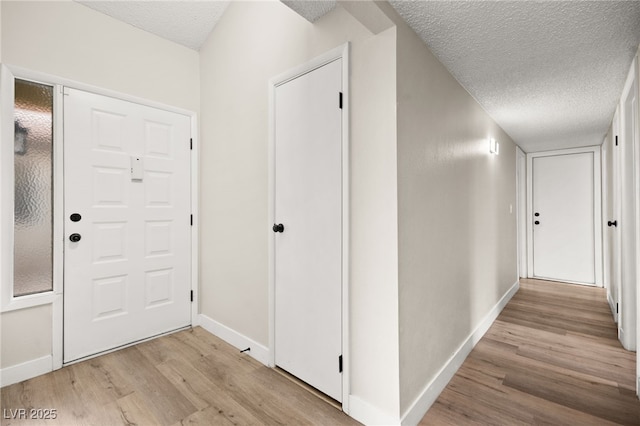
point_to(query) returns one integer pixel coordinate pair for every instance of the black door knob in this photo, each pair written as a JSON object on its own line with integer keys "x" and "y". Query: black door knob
{"x": 74, "y": 238}
{"x": 614, "y": 223}
{"x": 537, "y": 222}
{"x": 278, "y": 227}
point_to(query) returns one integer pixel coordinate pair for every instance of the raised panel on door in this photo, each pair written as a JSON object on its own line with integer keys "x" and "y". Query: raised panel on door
{"x": 128, "y": 276}
{"x": 308, "y": 203}
{"x": 563, "y": 218}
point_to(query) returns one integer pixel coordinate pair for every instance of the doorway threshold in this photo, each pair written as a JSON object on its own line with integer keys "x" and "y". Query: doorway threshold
{"x": 326, "y": 398}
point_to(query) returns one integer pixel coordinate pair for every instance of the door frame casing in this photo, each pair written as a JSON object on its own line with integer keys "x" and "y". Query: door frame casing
{"x": 608, "y": 155}
{"x": 636, "y": 65}
{"x": 597, "y": 206}
{"x": 521, "y": 211}
{"x": 637, "y": 196}
{"x": 614, "y": 199}
{"x": 629, "y": 191}
{"x": 56, "y": 297}
{"x": 341, "y": 52}
{"x": 9, "y": 302}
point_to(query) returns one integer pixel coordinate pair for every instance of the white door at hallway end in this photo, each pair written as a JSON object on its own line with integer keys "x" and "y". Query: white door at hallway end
{"x": 308, "y": 228}
{"x": 563, "y": 220}
{"x": 127, "y": 223}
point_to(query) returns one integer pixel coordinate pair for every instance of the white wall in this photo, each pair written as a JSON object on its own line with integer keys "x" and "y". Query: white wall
{"x": 66, "y": 39}
{"x": 521, "y": 195}
{"x": 629, "y": 210}
{"x": 637, "y": 196}
{"x": 26, "y": 335}
{"x": 253, "y": 42}
{"x": 374, "y": 232}
{"x": 456, "y": 215}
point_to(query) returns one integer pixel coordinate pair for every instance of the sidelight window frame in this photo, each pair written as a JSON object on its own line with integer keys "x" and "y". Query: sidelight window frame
{"x": 8, "y": 301}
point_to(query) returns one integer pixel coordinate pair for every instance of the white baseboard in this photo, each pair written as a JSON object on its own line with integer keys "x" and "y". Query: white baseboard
{"x": 421, "y": 405}
{"x": 612, "y": 306}
{"x": 627, "y": 340}
{"x": 26, "y": 370}
{"x": 367, "y": 414}
{"x": 258, "y": 351}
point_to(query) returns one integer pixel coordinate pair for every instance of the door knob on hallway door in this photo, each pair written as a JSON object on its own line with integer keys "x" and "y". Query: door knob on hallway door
{"x": 537, "y": 222}
{"x": 278, "y": 227}
{"x": 74, "y": 238}
{"x": 614, "y": 223}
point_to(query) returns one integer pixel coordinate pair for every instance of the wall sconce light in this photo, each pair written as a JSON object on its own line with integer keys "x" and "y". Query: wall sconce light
{"x": 494, "y": 146}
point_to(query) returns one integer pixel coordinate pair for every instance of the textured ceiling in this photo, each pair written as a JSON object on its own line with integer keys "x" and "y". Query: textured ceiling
{"x": 311, "y": 10}
{"x": 186, "y": 22}
{"x": 549, "y": 72}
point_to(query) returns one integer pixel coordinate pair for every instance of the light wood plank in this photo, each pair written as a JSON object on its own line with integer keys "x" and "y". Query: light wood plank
{"x": 190, "y": 377}
{"x": 551, "y": 358}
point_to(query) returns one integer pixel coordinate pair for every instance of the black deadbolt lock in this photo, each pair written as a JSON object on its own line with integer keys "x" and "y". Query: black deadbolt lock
{"x": 278, "y": 227}
{"x": 536, "y": 214}
{"x": 74, "y": 238}
{"x": 75, "y": 217}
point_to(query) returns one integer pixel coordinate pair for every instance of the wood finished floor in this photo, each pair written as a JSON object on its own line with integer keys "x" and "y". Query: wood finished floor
{"x": 187, "y": 378}
{"x": 552, "y": 357}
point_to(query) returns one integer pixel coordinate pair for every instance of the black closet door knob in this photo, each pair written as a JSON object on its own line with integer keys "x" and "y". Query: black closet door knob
{"x": 537, "y": 222}
{"x": 278, "y": 227}
{"x": 74, "y": 238}
{"x": 614, "y": 223}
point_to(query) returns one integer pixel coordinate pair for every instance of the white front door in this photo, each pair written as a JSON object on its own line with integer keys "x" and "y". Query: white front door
{"x": 127, "y": 223}
{"x": 308, "y": 205}
{"x": 563, "y": 218}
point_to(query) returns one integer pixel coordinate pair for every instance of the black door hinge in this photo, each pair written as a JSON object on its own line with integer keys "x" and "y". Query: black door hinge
{"x": 340, "y": 364}
{"x": 191, "y": 143}
{"x": 191, "y": 220}
{"x": 616, "y": 140}
{"x": 617, "y": 309}
{"x": 192, "y": 295}
{"x": 340, "y": 100}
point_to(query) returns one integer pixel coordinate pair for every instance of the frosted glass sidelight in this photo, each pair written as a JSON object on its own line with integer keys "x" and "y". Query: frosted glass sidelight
{"x": 33, "y": 220}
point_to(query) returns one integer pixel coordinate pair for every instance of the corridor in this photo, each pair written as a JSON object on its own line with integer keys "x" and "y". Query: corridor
{"x": 551, "y": 357}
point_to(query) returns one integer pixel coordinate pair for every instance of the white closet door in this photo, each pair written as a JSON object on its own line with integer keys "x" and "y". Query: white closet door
{"x": 308, "y": 204}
